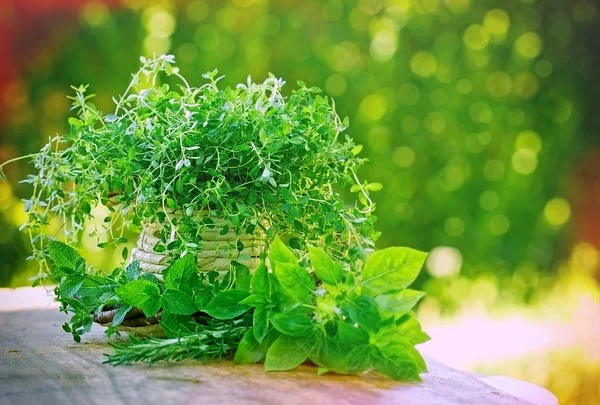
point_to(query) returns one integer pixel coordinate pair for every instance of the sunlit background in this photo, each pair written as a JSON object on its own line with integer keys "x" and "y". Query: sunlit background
{"x": 477, "y": 115}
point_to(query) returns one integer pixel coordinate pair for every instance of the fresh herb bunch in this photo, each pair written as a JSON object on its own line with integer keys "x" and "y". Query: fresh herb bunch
{"x": 344, "y": 319}
{"x": 247, "y": 154}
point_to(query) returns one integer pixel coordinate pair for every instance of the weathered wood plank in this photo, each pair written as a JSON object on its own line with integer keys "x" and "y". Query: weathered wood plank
{"x": 40, "y": 364}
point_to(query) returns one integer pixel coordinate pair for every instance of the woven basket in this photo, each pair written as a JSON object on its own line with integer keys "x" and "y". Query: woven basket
{"x": 216, "y": 253}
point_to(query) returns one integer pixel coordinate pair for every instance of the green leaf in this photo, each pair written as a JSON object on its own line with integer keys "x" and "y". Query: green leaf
{"x": 243, "y": 282}
{"x": 329, "y": 354}
{"x": 177, "y": 302}
{"x": 226, "y": 304}
{"x": 251, "y": 350}
{"x": 133, "y": 271}
{"x": 179, "y": 272}
{"x": 260, "y": 280}
{"x": 254, "y": 300}
{"x": 409, "y": 328}
{"x": 260, "y": 323}
{"x": 293, "y": 324}
{"x": 374, "y": 186}
{"x": 203, "y": 298}
{"x": 280, "y": 253}
{"x": 174, "y": 325}
{"x": 71, "y": 285}
{"x": 295, "y": 281}
{"x": 399, "y": 344}
{"x": 391, "y": 269}
{"x": 288, "y": 352}
{"x": 120, "y": 315}
{"x": 363, "y": 310}
{"x": 142, "y": 294}
{"x": 63, "y": 255}
{"x": 400, "y": 301}
{"x": 284, "y": 302}
{"x": 396, "y": 363}
{"x": 359, "y": 359}
{"x": 327, "y": 270}
{"x": 350, "y": 335}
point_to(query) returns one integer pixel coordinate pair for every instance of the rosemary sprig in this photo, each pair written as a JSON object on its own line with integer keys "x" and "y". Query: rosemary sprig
{"x": 208, "y": 342}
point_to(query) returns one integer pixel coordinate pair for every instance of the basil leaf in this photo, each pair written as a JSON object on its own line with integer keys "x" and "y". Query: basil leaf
{"x": 400, "y": 301}
{"x": 288, "y": 352}
{"x": 409, "y": 328}
{"x": 260, "y": 323}
{"x": 295, "y": 281}
{"x": 363, "y": 310}
{"x": 280, "y": 253}
{"x": 250, "y": 350}
{"x": 349, "y": 335}
{"x": 254, "y": 300}
{"x": 396, "y": 364}
{"x": 327, "y": 270}
{"x": 293, "y": 324}
{"x": 391, "y": 269}
{"x": 227, "y": 304}
{"x": 260, "y": 280}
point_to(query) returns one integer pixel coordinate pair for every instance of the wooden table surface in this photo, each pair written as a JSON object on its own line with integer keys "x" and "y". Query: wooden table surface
{"x": 40, "y": 364}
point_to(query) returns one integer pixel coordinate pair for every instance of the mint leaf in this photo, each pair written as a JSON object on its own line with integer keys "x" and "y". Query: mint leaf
{"x": 142, "y": 294}
{"x": 177, "y": 302}
{"x": 133, "y": 271}
{"x": 174, "y": 325}
{"x": 363, "y": 310}
{"x": 250, "y": 350}
{"x": 179, "y": 272}
{"x": 260, "y": 323}
{"x": 260, "y": 280}
{"x": 400, "y": 301}
{"x": 120, "y": 315}
{"x": 295, "y": 281}
{"x": 293, "y": 324}
{"x": 327, "y": 270}
{"x": 226, "y": 304}
{"x": 288, "y": 352}
{"x": 71, "y": 285}
{"x": 63, "y": 255}
{"x": 280, "y": 253}
{"x": 391, "y": 269}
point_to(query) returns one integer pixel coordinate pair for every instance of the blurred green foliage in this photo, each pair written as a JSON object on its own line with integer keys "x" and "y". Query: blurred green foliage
{"x": 471, "y": 112}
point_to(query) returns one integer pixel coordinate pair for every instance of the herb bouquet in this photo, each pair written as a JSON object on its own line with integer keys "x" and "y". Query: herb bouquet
{"x": 216, "y": 180}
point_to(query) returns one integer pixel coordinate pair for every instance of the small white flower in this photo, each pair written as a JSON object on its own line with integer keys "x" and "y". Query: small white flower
{"x": 266, "y": 175}
{"x": 320, "y": 292}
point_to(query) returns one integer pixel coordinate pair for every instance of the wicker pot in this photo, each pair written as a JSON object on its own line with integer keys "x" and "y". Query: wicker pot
{"x": 216, "y": 253}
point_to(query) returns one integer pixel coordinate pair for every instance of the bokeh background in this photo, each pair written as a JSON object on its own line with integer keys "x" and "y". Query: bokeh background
{"x": 477, "y": 116}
